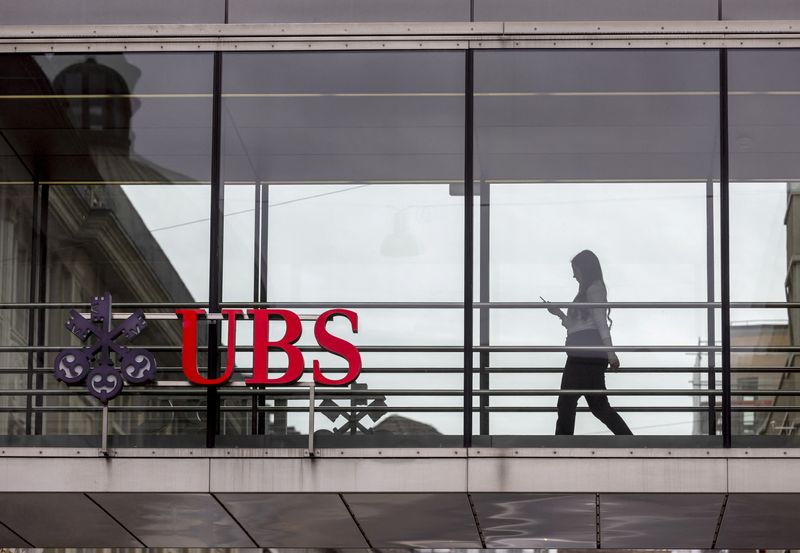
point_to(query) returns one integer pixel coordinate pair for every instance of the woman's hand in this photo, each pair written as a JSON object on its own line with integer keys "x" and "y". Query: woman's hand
{"x": 555, "y": 311}
{"x": 613, "y": 361}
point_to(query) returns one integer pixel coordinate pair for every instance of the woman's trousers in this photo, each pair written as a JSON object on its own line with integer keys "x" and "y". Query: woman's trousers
{"x": 585, "y": 370}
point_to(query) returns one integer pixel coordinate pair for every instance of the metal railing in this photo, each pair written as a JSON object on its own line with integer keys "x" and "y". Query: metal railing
{"x": 43, "y": 399}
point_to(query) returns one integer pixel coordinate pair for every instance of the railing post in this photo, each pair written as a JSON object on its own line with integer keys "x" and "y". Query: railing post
{"x": 311, "y": 401}
{"x": 104, "y": 433}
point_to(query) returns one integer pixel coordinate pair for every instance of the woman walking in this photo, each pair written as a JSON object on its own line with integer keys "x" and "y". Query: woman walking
{"x": 585, "y": 369}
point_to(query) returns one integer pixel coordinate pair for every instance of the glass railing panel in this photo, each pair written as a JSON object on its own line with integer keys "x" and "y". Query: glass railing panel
{"x": 409, "y": 391}
{"x": 664, "y": 390}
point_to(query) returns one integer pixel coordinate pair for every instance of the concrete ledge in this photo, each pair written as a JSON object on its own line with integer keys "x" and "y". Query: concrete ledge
{"x": 571, "y": 475}
{"x": 764, "y": 475}
{"x": 103, "y": 475}
{"x": 388, "y": 471}
{"x": 338, "y": 475}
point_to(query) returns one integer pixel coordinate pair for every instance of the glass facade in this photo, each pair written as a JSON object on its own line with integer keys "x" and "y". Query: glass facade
{"x": 764, "y": 167}
{"x": 344, "y": 162}
{"x": 615, "y": 152}
{"x": 388, "y": 183}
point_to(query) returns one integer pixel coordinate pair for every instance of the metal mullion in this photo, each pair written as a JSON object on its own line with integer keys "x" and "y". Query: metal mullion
{"x": 725, "y": 248}
{"x": 485, "y": 312}
{"x": 711, "y": 318}
{"x": 256, "y": 284}
{"x": 41, "y": 295}
{"x": 262, "y": 282}
{"x": 215, "y": 265}
{"x": 32, "y": 292}
{"x": 468, "y": 245}
{"x": 256, "y": 241}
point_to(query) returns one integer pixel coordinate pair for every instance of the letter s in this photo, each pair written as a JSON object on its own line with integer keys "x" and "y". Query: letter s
{"x": 337, "y": 346}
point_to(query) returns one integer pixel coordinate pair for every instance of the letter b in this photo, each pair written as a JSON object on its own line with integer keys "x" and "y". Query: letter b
{"x": 262, "y": 344}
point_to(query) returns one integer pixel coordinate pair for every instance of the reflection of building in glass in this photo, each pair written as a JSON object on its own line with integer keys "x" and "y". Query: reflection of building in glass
{"x": 756, "y": 334}
{"x": 400, "y": 425}
{"x": 787, "y": 422}
{"x": 764, "y": 335}
{"x": 96, "y": 240}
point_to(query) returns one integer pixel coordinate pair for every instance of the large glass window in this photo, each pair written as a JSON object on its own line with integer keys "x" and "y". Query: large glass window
{"x": 764, "y": 101}
{"x": 341, "y": 186}
{"x": 615, "y": 152}
{"x": 120, "y": 146}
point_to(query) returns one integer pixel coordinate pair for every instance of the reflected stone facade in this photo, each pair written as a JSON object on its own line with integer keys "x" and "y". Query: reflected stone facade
{"x": 95, "y": 240}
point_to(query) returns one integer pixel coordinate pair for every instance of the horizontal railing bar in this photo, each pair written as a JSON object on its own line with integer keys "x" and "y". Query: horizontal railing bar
{"x": 407, "y": 305}
{"x": 429, "y": 349}
{"x": 223, "y": 408}
{"x": 271, "y": 409}
{"x": 459, "y": 371}
{"x": 322, "y": 392}
{"x": 246, "y": 371}
{"x": 458, "y": 349}
{"x": 659, "y": 409}
{"x": 397, "y": 409}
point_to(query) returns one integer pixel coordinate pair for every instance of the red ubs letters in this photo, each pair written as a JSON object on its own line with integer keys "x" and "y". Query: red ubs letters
{"x": 262, "y": 343}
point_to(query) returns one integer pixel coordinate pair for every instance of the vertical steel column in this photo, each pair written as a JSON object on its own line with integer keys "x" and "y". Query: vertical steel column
{"x": 262, "y": 287}
{"x": 257, "y": 242}
{"x": 44, "y": 208}
{"x": 485, "y": 312}
{"x": 725, "y": 262}
{"x": 469, "y": 201}
{"x": 256, "y": 287}
{"x": 711, "y": 331}
{"x": 215, "y": 266}
{"x": 32, "y": 295}
{"x": 263, "y": 242}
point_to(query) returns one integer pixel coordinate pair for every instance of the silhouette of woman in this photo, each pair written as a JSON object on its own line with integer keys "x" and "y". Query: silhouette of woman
{"x": 585, "y": 369}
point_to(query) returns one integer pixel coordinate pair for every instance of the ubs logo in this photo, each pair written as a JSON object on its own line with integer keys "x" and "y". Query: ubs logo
{"x": 104, "y": 375}
{"x": 93, "y": 364}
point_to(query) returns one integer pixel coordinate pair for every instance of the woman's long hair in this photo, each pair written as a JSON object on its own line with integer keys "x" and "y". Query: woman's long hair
{"x": 589, "y": 272}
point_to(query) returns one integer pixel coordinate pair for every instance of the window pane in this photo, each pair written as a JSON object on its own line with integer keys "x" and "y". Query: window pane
{"x": 121, "y": 147}
{"x": 613, "y": 152}
{"x": 123, "y": 144}
{"x": 765, "y": 222}
{"x": 348, "y": 166}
